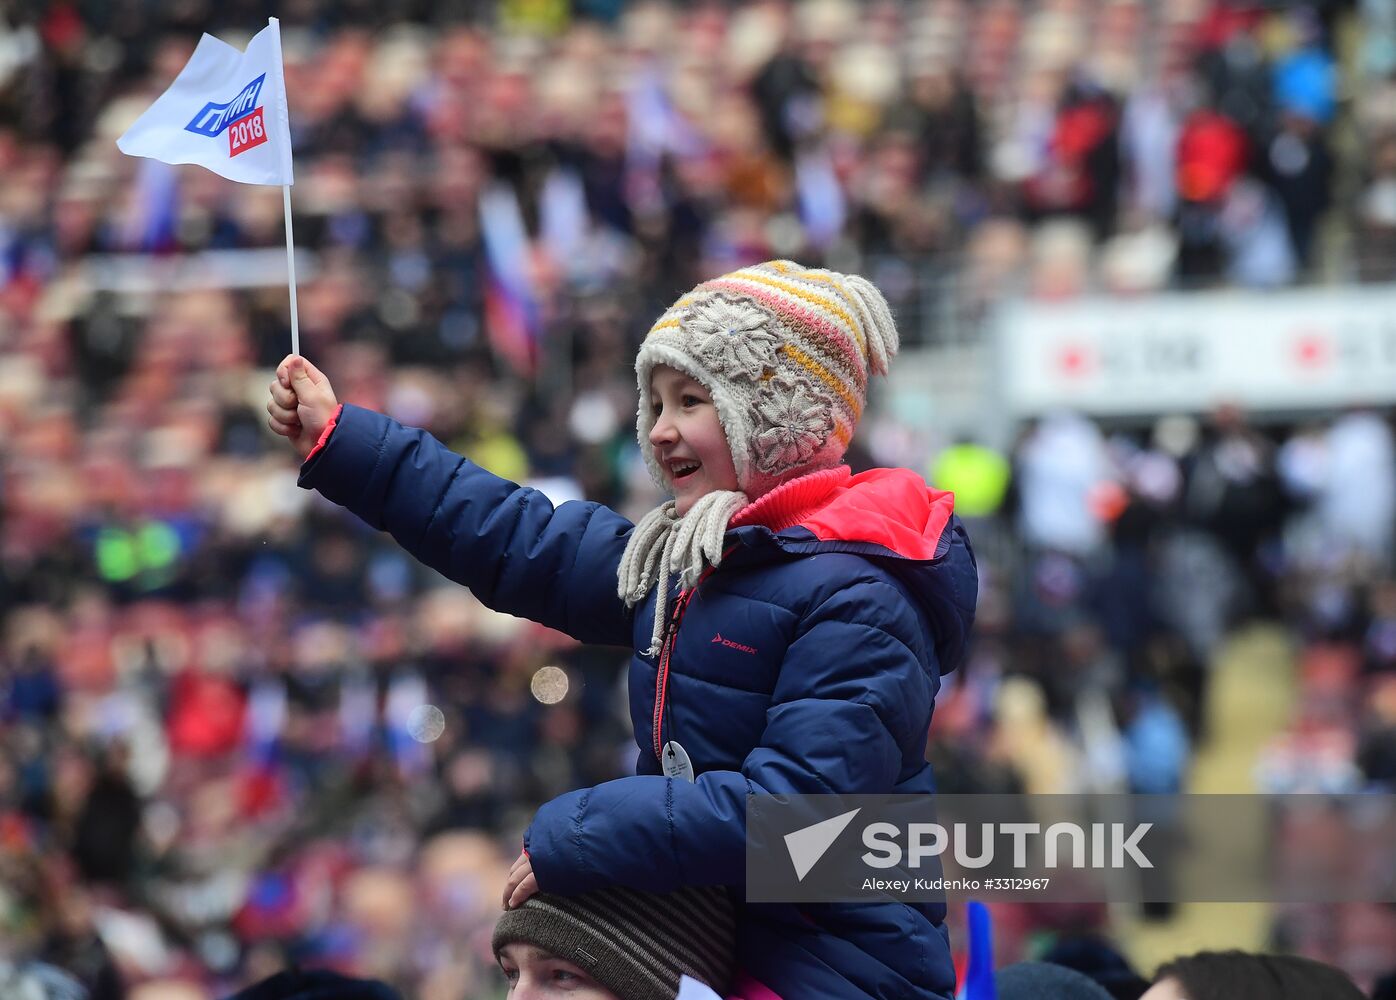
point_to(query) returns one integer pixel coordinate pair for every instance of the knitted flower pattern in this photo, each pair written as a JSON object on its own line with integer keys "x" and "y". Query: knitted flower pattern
{"x": 794, "y": 425}
{"x": 732, "y": 337}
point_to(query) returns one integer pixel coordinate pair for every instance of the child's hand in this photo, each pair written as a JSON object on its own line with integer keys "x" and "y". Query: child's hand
{"x": 522, "y": 882}
{"x": 302, "y": 403}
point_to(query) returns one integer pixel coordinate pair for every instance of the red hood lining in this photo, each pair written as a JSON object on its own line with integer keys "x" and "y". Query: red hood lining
{"x": 893, "y": 508}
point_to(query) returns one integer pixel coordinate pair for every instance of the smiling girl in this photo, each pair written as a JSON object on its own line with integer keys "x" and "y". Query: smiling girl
{"x": 687, "y": 438}
{"x": 790, "y": 620}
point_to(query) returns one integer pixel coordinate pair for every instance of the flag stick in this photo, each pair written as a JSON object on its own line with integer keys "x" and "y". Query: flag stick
{"x": 291, "y": 269}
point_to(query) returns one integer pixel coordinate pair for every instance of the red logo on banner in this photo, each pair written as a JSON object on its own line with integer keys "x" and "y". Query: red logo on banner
{"x": 245, "y": 133}
{"x": 1075, "y": 360}
{"x": 1312, "y": 349}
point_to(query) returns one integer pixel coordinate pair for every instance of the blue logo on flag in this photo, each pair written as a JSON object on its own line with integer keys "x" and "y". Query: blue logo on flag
{"x": 215, "y": 117}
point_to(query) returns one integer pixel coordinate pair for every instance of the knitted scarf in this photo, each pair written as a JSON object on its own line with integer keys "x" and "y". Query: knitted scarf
{"x": 664, "y": 544}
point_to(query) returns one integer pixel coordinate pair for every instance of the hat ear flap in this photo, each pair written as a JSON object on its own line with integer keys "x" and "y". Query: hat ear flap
{"x": 879, "y": 327}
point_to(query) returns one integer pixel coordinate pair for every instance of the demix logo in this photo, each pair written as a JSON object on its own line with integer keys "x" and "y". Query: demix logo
{"x": 733, "y": 645}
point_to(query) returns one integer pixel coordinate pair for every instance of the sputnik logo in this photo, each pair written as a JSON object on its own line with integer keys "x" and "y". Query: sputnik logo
{"x": 808, "y": 844}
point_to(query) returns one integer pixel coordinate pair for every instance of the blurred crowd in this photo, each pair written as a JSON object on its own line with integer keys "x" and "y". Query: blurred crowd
{"x": 238, "y": 729}
{"x": 1118, "y": 568}
{"x": 1120, "y": 562}
{"x": 951, "y": 151}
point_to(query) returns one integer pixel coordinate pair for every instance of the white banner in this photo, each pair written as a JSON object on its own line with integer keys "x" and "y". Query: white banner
{"x": 1312, "y": 348}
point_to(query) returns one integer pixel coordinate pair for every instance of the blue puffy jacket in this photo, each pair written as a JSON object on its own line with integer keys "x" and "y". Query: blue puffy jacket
{"x": 807, "y": 663}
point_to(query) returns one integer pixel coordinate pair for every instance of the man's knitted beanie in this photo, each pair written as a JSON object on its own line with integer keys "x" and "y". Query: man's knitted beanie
{"x": 786, "y": 352}
{"x": 635, "y": 944}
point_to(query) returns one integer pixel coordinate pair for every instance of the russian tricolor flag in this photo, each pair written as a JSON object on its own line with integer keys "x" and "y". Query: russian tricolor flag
{"x": 979, "y": 975}
{"x": 513, "y": 318}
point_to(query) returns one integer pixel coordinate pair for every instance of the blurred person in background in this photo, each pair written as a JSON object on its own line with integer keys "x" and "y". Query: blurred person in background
{"x": 1061, "y": 466}
{"x": 750, "y": 387}
{"x": 1234, "y": 492}
{"x": 38, "y": 981}
{"x": 609, "y": 944}
{"x": 316, "y": 984}
{"x": 1098, "y": 958}
{"x": 1357, "y": 499}
{"x": 1235, "y": 975}
{"x": 1045, "y": 981}
{"x": 1385, "y": 988}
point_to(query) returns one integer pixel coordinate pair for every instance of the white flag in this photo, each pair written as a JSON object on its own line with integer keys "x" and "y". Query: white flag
{"x": 225, "y": 111}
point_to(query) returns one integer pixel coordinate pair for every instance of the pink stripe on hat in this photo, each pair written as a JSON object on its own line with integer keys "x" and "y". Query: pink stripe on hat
{"x": 832, "y": 337}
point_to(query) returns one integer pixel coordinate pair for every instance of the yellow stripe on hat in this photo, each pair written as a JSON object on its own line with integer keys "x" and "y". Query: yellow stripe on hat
{"x": 827, "y": 377}
{"x": 835, "y": 281}
{"x": 671, "y": 317}
{"x": 805, "y": 295}
{"x": 827, "y": 279}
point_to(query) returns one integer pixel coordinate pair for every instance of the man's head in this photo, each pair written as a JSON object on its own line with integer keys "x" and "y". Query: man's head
{"x": 536, "y": 974}
{"x": 616, "y": 944}
{"x": 782, "y": 354}
{"x": 1236, "y": 975}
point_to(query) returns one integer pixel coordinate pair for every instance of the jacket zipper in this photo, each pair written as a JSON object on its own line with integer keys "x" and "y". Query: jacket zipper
{"x": 661, "y": 679}
{"x": 671, "y": 632}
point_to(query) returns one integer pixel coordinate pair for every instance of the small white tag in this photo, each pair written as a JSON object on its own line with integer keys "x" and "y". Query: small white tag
{"x": 676, "y": 763}
{"x": 692, "y": 989}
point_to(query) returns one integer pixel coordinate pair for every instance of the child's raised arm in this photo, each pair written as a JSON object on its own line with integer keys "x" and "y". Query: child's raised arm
{"x": 507, "y": 543}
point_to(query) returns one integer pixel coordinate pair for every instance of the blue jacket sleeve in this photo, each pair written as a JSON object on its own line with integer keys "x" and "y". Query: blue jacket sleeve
{"x": 852, "y": 698}
{"x": 507, "y": 543}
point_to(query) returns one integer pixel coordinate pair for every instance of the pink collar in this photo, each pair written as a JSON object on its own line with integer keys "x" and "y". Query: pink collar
{"x": 790, "y": 503}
